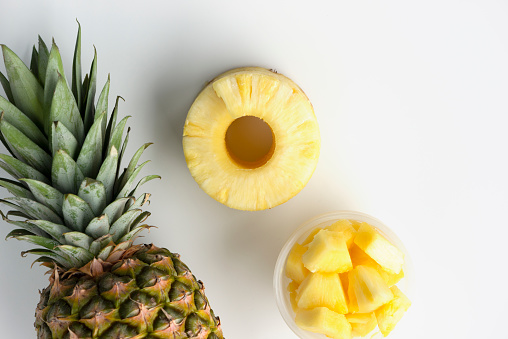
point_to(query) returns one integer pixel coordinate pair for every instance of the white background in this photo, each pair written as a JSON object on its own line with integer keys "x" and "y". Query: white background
{"x": 412, "y": 102}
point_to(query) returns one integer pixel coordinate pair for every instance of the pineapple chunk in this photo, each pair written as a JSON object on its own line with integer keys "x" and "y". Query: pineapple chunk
{"x": 327, "y": 253}
{"x": 346, "y": 227}
{"x": 292, "y": 286}
{"x": 379, "y": 249}
{"x": 311, "y": 236}
{"x": 359, "y": 257}
{"x": 362, "y": 323}
{"x": 322, "y": 320}
{"x": 368, "y": 288}
{"x": 322, "y": 289}
{"x": 294, "y": 266}
{"x": 292, "y": 300}
{"x": 389, "y": 314}
{"x": 356, "y": 224}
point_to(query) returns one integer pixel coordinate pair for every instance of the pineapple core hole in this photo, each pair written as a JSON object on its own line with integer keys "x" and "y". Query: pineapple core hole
{"x": 250, "y": 141}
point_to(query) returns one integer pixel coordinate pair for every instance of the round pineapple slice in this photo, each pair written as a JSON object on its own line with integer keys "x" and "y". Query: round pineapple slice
{"x": 251, "y": 139}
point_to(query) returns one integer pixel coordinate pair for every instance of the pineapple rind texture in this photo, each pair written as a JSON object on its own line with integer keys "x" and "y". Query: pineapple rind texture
{"x": 149, "y": 293}
{"x": 283, "y": 106}
{"x": 72, "y": 200}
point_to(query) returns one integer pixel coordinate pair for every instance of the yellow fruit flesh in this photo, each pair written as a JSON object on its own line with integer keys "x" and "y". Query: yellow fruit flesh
{"x": 346, "y": 228}
{"x": 359, "y": 257}
{"x": 390, "y": 314}
{"x": 362, "y": 323}
{"x": 365, "y": 296}
{"x": 294, "y": 266}
{"x": 327, "y": 252}
{"x": 241, "y": 179}
{"x": 311, "y": 236}
{"x": 368, "y": 288}
{"x": 322, "y": 320}
{"x": 378, "y": 248}
{"x": 322, "y": 289}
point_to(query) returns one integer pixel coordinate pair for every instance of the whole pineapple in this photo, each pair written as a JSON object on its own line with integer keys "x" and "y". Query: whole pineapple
{"x": 73, "y": 202}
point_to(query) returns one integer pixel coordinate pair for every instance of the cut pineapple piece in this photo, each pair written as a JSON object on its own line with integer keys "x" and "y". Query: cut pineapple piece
{"x": 292, "y": 300}
{"x": 322, "y": 320}
{"x": 346, "y": 227}
{"x": 356, "y": 224}
{"x": 328, "y": 252}
{"x": 294, "y": 266}
{"x": 322, "y": 289}
{"x": 359, "y": 257}
{"x": 292, "y": 286}
{"x": 379, "y": 249}
{"x": 311, "y": 236}
{"x": 362, "y": 323}
{"x": 389, "y": 314}
{"x": 368, "y": 288}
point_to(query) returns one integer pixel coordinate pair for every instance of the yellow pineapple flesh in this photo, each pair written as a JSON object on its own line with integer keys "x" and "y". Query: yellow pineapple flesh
{"x": 311, "y": 236}
{"x": 369, "y": 290}
{"x": 236, "y": 175}
{"x": 359, "y": 257}
{"x": 294, "y": 266}
{"x": 325, "y": 321}
{"x": 322, "y": 289}
{"x": 378, "y": 248}
{"x": 346, "y": 227}
{"x": 362, "y": 323}
{"x": 390, "y": 314}
{"x": 327, "y": 252}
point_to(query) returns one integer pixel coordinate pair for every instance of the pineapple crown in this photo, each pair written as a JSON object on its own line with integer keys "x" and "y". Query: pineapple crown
{"x": 69, "y": 196}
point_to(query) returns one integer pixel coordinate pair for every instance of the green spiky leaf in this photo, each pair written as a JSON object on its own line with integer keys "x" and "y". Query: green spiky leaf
{"x": 26, "y": 90}
{"x": 98, "y": 244}
{"x": 19, "y": 120}
{"x": 65, "y": 174}
{"x": 63, "y": 139}
{"x": 24, "y": 148}
{"x": 79, "y": 256}
{"x": 117, "y": 134}
{"x": 126, "y": 188}
{"x": 116, "y": 209}
{"x": 107, "y": 173}
{"x": 27, "y": 226}
{"x": 34, "y": 67}
{"x": 78, "y": 239}
{"x": 94, "y": 193}
{"x": 132, "y": 164}
{"x": 16, "y": 189}
{"x": 76, "y": 212}
{"x": 122, "y": 226}
{"x": 62, "y": 261}
{"x": 19, "y": 169}
{"x": 54, "y": 71}
{"x": 27, "y": 236}
{"x": 54, "y": 230}
{"x": 65, "y": 109}
{"x": 45, "y": 194}
{"x": 77, "y": 88}
{"x": 90, "y": 156}
{"x": 98, "y": 227}
{"x": 34, "y": 209}
{"x": 7, "y": 87}
{"x": 90, "y": 97}
{"x": 42, "y": 63}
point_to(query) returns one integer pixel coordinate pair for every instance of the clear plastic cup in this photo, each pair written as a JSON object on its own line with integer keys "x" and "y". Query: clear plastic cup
{"x": 280, "y": 281}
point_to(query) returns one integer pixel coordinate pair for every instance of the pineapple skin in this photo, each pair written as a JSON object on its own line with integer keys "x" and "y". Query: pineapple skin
{"x": 149, "y": 293}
